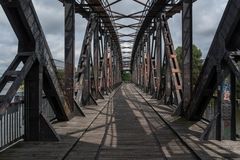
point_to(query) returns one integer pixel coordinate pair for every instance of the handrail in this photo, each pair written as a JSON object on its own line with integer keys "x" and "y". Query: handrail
{"x": 12, "y": 125}
{"x": 12, "y": 122}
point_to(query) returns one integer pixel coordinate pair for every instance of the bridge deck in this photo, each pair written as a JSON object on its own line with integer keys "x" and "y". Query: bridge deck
{"x": 125, "y": 128}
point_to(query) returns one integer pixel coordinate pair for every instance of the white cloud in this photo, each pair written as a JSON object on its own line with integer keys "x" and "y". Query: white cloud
{"x": 206, "y": 17}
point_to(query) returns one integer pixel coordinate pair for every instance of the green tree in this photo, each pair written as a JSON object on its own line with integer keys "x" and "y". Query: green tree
{"x": 196, "y": 61}
{"x": 126, "y": 76}
{"x": 60, "y": 76}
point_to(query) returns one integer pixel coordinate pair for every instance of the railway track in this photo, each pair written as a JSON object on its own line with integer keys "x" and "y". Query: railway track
{"x": 86, "y": 130}
{"x": 130, "y": 92}
{"x": 145, "y": 130}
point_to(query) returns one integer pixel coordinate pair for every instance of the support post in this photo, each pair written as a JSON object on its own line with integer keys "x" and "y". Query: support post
{"x": 105, "y": 67}
{"x": 96, "y": 64}
{"x": 187, "y": 52}
{"x": 69, "y": 50}
{"x": 226, "y": 109}
{"x": 87, "y": 97}
{"x": 33, "y": 85}
{"x": 159, "y": 55}
{"x": 233, "y": 104}
{"x": 219, "y": 101}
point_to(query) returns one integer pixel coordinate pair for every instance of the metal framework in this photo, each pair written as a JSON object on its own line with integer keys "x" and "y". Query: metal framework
{"x": 148, "y": 52}
{"x": 98, "y": 72}
{"x": 158, "y": 73}
{"x": 156, "y": 70}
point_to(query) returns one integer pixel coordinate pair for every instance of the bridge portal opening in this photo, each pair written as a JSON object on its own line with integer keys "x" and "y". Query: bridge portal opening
{"x": 126, "y": 76}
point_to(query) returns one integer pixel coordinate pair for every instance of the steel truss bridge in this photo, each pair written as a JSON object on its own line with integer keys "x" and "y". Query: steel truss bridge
{"x": 147, "y": 52}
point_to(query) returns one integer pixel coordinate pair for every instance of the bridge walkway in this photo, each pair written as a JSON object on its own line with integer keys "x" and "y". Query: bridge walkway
{"x": 126, "y": 125}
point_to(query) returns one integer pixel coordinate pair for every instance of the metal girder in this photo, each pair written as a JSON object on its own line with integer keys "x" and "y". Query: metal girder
{"x": 25, "y": 23}
{"x": 187, "y": 52}
{"x": 171, "y": 56}
{"x": 36, "y": 127}
{"x": 80, "y": 8}
{"x": 226, "y": 39}
{"x": 99, "y": 8}
{"x": 153, "y": 11}
{"x": 69, "y": 69}
{"x": 96, "y": 60}
{"x": 114, "y": 2}
{"x": 38, "y": 73}
{"x": 88, "y": 7}
{"x": 17, "y": 77}
{"x": 160, "y": 78}
{"x": 232, "y": 59}
{"x": 143, "y": 4}
{"x": 158, "y": 49}
{"x": 83, "y": 93}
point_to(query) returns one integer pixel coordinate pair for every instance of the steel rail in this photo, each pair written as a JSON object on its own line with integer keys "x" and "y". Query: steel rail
{"x": 88, "y": 127}
{"x": 193, "y": 152}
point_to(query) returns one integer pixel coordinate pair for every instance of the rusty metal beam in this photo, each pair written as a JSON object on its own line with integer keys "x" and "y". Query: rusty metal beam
{"x": 83, "y": 75}
{"x": 33, "y": 85}
{"x": 69, "y": 68}
{"x": 174, "y": 69}
{"x": 187, "y": 52}
{"x": 26, "y": 25}
{"x": 225, "y": 40}
{"x": 153, "y": 11}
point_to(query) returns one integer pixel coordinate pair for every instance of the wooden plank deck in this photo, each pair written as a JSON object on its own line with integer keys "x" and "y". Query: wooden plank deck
{"x": 191, "y": 132}
{"x": 126, "y": 128}
{"x": 69, "y": 133}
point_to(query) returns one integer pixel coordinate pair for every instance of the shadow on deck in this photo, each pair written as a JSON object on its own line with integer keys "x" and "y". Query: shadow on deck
{"x": 126, "y": 128}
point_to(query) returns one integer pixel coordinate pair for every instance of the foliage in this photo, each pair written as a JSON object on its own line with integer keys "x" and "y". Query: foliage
{"x": 196, "y": 61}
{"x": 60, "y": 74}
{"x": 126, "y": 76}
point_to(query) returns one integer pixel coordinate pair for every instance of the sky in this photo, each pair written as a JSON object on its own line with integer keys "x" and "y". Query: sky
{"x": 206, "y": 17}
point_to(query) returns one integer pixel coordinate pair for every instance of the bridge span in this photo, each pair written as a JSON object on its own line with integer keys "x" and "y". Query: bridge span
{"x": 129, "y": 96}
{"x": 127, "y": 124}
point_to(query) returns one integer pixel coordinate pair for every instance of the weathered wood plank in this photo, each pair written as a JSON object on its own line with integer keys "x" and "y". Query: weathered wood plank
{"x": 191, "y": 133}
{"x": 126, "y": 129}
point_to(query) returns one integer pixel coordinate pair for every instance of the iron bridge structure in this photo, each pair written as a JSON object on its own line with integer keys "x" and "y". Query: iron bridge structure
{"x": 147, "y": 53}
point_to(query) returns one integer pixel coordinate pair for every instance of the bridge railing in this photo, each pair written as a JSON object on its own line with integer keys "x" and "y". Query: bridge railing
{"x": 12, "y": 121}
{"x": 12, "y": 124}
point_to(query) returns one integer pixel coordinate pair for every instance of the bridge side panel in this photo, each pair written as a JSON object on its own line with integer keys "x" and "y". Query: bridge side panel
{"x": 207, "y": 81}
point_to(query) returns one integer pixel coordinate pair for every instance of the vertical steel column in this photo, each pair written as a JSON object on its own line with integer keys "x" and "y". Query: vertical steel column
{"x": 148, "y": 63}
{"x": 187, "y": 51}
{"x": 33, "y": 85}
{"x": 168, "y": 82}
{"x": 158, "y": 55}
{"x": 96, "y": 60}
{"x": 109, "y": 64}
{"x": 142, "y": 75}
{"x": 87, "y": 96}
{"x": 233, "y": 105}
{"x": 105, "y": 64}
{"x": 69, "y": 50}
{"x": 113, "y": 64}
{"x": 219, "y": 101}
{"x": 138, "y": 68}
{"x": 226, "y": 109}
